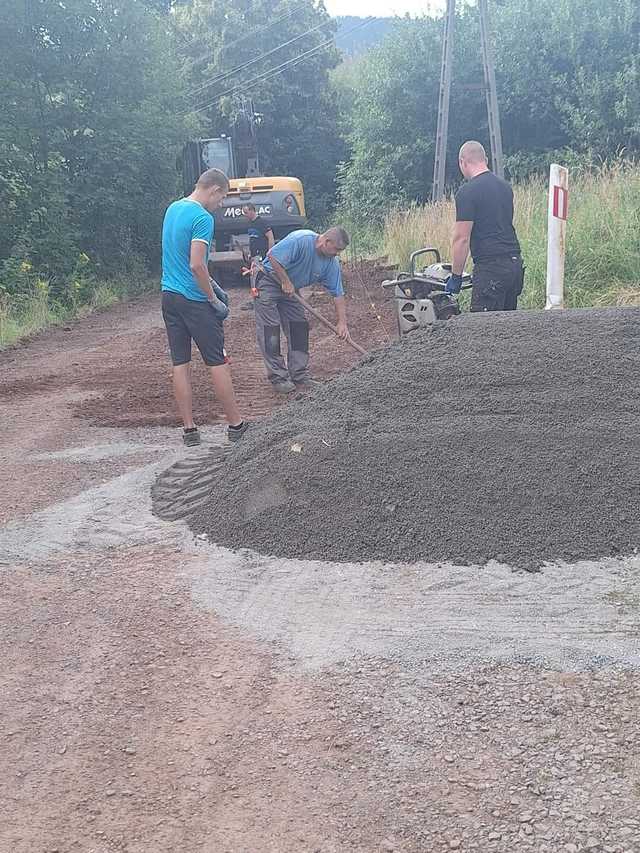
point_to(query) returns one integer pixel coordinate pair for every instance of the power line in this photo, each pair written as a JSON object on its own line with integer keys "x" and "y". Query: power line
{"x": 226, "y": 74}
{"x": 272, "y": 72}
{"x": 264, "y": 27}
{"x": 251, "y": 33}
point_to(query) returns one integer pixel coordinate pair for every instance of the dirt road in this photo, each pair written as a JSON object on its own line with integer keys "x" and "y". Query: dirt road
{"x": 160, "y": 694}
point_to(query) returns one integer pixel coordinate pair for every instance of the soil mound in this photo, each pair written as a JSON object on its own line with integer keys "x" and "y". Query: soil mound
{"x": 498, "y": 436}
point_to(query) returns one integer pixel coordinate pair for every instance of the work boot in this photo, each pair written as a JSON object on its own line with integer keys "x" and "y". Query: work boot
{"x": 283, "y": 386}
{"x": 308, "y": 383}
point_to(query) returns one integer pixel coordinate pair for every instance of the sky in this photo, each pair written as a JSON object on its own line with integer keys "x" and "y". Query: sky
{"x": 383, "y": 8}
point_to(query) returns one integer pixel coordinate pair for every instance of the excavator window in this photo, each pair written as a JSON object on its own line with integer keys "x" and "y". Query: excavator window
{"x": 216, "y": 154}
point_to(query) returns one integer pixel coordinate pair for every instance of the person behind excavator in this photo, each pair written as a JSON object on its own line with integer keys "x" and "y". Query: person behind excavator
{"x": 261, "y": 239}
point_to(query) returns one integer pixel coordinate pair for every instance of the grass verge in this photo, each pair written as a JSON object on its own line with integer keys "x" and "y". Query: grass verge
{"x": 603, "y": 237}
{"x": 21, "y": 318}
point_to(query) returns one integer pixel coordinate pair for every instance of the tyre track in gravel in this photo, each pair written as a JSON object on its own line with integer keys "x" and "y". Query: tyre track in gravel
{"x": 160, "y": 693}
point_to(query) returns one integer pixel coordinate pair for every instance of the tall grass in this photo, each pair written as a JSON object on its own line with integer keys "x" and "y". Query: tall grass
{"x": 603, "y": 237}
{"x": 31, "y": 315}
{"x": 20, "y": 318}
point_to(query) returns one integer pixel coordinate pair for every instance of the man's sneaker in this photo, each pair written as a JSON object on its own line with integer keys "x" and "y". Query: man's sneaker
{"x": 236, "y": 433}
{"x": 248, "y": 306}
{"x": 191, "y": 437}
{"x": 285, "y": 386}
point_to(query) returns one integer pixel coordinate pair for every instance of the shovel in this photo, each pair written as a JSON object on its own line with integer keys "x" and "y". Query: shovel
{"x": 328, "y": 324}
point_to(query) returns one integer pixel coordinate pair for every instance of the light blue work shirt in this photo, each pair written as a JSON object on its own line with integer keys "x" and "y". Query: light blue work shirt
{"x": 184, "y": 222}
{"x": 298, "y": 255}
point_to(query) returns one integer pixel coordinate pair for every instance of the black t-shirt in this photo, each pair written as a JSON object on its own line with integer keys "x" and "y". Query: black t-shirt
{"x": 258, "y": 243}
{"x": 487, "y": 201}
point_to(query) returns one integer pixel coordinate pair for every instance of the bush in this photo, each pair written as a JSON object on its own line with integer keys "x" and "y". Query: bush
{"x": 87, "y": 148}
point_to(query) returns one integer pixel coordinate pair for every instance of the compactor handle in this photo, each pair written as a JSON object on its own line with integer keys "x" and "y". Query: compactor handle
{"x": 428, "y": 251}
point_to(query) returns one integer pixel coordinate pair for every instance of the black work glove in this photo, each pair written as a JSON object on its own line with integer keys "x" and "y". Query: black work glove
{"x": 454, "y": 283}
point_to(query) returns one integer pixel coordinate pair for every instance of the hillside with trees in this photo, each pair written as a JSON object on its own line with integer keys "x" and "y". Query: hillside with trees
{"x": 567, "y": 78}
{"x": 354, "y": 40}
{"x": 98, "y": 97}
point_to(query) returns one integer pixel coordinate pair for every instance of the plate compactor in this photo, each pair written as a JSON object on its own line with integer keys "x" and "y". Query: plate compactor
{"x": 420, "y": 295}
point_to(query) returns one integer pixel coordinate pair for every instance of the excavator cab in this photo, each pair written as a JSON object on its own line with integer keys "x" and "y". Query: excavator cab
{"x": 279, "y": 201}
{"x": 202, "y": 154}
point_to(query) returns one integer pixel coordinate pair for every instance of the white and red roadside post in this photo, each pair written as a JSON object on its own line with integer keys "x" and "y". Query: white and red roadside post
{"x": 557, "y": 234}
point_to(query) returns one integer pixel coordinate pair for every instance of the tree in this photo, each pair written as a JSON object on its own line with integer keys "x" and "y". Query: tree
{"x": 394, "y": 117}
{"x": 232, "y": 46}
{"x": 567, "y": 76}
{"x": 573, "y": 81}
{"x": 88, "y": 143}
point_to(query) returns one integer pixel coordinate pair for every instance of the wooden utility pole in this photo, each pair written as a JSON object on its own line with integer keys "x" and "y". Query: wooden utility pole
{"x": 493, "y": 112}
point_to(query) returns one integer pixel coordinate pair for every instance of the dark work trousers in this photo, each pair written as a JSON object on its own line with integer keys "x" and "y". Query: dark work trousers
{"x": 275, "y": 311}
{"x": 497, "y": 283}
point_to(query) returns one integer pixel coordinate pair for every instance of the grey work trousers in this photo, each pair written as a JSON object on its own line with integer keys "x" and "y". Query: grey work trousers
{"x": 275, "y": 311}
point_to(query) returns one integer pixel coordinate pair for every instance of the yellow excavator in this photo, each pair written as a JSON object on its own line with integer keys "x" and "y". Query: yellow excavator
{"x": 279, "y": 201}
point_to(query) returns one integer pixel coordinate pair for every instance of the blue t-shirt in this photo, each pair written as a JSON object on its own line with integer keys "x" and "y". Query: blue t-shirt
{"x": 184, "y": 222}
{"x": 304, "y": 265}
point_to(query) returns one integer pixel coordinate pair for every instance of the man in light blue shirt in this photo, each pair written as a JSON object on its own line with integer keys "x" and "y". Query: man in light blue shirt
{"x": 302, "y": 258}
{"x": 193, "y": 305}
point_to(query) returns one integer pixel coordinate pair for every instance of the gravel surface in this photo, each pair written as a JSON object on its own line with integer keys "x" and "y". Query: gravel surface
{"x": 442, "y": 752}
{"x": 511, "y": 437}
{"x": 160, "y": 694}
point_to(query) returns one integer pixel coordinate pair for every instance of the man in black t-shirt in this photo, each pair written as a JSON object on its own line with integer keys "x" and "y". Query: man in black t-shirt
{"x": 261, "y": 239}
{"x": 484, "y": 225}
{"x": 260, "y": 233}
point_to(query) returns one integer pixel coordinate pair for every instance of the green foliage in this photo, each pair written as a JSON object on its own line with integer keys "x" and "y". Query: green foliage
{"x": 394, "y": 117}
{"x": 87, "y": 146}
{"x": 299, "y": 131}
{"x": 572, "y": 82}
{"x": 33, "y": 313}
{"x": 567, "y": 76}
{"x": 34, "y": 309}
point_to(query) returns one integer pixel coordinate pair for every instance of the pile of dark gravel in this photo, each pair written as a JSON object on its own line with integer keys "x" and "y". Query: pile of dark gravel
{"x": 512, "y": 437}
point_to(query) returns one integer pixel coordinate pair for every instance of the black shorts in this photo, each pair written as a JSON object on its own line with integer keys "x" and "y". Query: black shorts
{"x": 188, "y": 320}
{"x": 497, "y": 283}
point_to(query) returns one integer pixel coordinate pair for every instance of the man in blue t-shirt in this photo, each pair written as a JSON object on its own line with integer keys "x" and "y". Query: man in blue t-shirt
{"x": 193, "y": 305}
{"x": 302, "y": 258}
